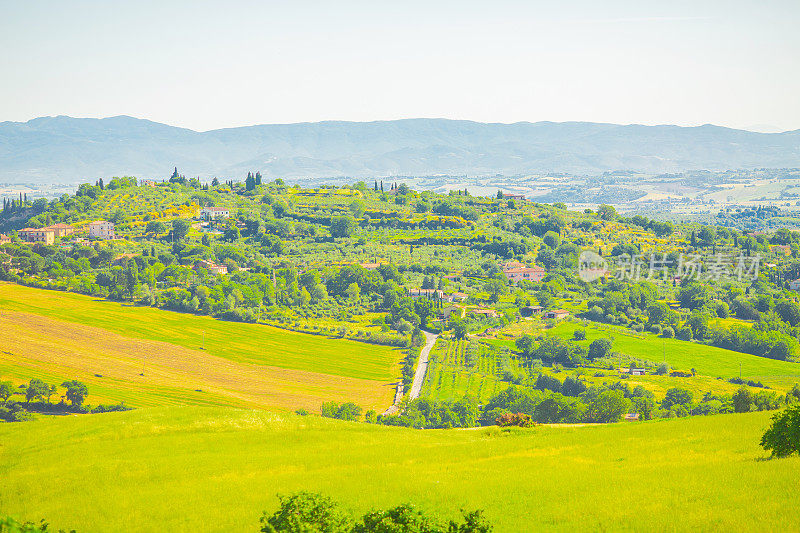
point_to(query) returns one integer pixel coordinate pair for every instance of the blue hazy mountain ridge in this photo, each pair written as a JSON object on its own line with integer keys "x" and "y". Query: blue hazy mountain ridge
{"x": 65, "y": 149}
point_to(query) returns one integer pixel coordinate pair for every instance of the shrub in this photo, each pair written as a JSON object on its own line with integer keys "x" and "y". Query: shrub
{"x": 301, "y": 412}
{"x": 680, "y": 374}
{"x": 668, "y": 332}
{"x": 514, "y": 419}
{"x": 662, "y": 369}
{"x": 579, "y": 335}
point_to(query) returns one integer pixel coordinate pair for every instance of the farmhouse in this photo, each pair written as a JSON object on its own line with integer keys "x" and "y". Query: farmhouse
{"x": 213, "y": 268}
{"x": 101, "y": 229}
{"x": 557, "y": 314}
{"x": 484, "y": 312}
{"x": 515, "y": 275}
{"x": 795, "y": 285}
{"x": 631, "y": 417}
{"x": 44, "y": 235}
{"x": 458, "y": 297}
{"x": 215, "y": 212}
{"x": 530, "y": 310}
{"x": 509, "y": 196}
{"x": 4, "y": 239}
{"x": 61, "y": 230}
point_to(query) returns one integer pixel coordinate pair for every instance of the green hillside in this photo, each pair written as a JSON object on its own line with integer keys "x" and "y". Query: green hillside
{"x": 189, "y": 468}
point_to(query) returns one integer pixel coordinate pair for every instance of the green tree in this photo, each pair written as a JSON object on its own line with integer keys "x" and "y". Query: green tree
{"x": 459, "y": 329}
{"x": 36, "y": 389}
{"x": 607, "y": 212}
{"x": 6, "y": 390}
{"x": 342, "y": 226}
{"x": 180, "y": 228}
{"x": 599, "y": 348}
{"x": 742, "y": 400}
{"x": 156, "y": 226}
{"x": 552, "y": 239}
{"x": 76, "y": 392}
{"x": 609, "y": 406}
{"x": 357, "y": 207}
{"x": 782, "y": 438}
{"x": 131, "y": 275}
{"x": 676, "y": 396}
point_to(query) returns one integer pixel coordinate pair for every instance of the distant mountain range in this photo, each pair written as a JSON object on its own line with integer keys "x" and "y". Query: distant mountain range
{"x": 65, "y": 150}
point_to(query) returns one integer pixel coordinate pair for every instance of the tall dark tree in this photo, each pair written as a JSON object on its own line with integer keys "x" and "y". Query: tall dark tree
{"x": 174, "y": 173}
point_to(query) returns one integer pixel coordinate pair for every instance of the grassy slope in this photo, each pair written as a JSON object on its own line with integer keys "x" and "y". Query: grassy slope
{"x": 56, "y": 336}
{"x": 185, "y": 468}
{"x": 707, "y": 360}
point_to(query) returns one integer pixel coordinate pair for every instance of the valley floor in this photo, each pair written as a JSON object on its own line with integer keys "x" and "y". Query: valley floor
{"x": 204, "y": 469}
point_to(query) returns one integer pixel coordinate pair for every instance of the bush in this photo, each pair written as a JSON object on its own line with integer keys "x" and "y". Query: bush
{"x": 782, "y": 438}
{"x": 662, "y": 369}
{"x": 514, "y": 419}
{"x": 684, "y": 334}
{"x": 301, "y": 412}
{"x": 579, "y": 335}
{"x": 680, "y": 374}
{"x": 668, "y": 332}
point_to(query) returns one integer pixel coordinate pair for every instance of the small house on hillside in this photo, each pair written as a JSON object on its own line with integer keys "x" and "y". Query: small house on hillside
{"x": 631, "y": 417}
{"x": 557, "y": 314}
{"x": 516, "y": 272}
{"x": 44, "y": 235}
{"x": 212, "y": 268}
{"x": 210, "y": 213}
{"x": 491, "y": 313}
{"x": 61, "y": 230}
{"x": 530, "y": 310}
{"x": 101, "y": 229}
{"x": 795, "y": 285}
{"x": 4, "y": 239}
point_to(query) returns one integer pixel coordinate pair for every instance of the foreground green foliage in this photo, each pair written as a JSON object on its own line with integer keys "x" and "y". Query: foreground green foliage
{"x": 307, "y": 512}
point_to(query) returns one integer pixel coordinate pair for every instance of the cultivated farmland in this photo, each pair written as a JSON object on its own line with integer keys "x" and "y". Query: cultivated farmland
{"x": 149, "y": 357}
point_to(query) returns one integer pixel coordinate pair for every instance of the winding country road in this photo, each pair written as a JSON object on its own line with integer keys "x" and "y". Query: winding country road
{"x": 422, "y": 366}
{"x": 419, "y": 375}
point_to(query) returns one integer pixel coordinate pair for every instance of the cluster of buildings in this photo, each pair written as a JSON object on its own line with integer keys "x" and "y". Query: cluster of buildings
{"x": 100, "y": 229}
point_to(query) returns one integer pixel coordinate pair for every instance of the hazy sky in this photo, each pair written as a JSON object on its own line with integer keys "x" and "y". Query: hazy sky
{"x": 206, "y": 65}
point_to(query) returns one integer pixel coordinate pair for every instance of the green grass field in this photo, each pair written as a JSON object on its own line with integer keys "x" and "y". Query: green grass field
{"x": 200, "y": 469}
{"x": 683, "y": 355}
{"x": 149, "y": 357}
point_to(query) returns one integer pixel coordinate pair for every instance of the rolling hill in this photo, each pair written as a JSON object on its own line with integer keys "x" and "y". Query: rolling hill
{"x": 199, "y": 469}
{"x": 65, "y": 149}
